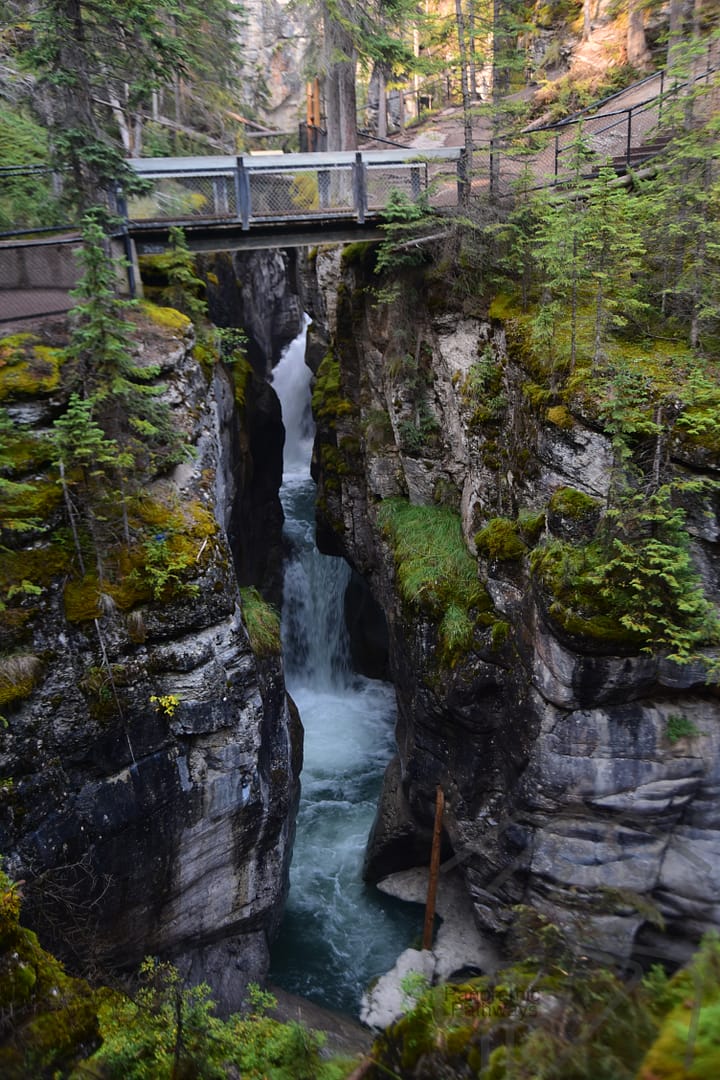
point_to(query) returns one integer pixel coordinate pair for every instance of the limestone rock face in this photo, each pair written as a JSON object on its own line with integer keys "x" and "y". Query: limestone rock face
{"x": 258, "y": 291}
{"x": 277, "y": 39}
{"x": 156, "y": 815}
{"x": 565, "y": 787}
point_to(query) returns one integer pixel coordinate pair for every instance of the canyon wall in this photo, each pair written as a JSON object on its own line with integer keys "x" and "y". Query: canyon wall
{"x": 580, "y": 771}
{"x": 150, "y": 757}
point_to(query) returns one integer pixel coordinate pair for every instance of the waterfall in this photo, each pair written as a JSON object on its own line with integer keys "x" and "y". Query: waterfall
{"x": 337, "y": 933}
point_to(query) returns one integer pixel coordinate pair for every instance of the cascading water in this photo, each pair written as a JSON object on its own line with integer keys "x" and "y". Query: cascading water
{"x": 337, "y": 933}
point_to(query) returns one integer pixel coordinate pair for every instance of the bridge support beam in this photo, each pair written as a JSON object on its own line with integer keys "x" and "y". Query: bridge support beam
{"x": 242, "y": 193}
{"x": 360, "y": 187}
{"x": 129, "y": 282}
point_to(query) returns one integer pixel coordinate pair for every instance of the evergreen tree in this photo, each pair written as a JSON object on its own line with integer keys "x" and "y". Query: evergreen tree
{"x": 563, "y": 232}
{"x": 647, "y": 577}
{"x": 86, "y": 462}
{"x": 684, "y": 230}
{"x": 184, "y": 289}
{"x": 99, "y": 67}
{"x": 614, "y": 252}
{"x": 103, "y": 370}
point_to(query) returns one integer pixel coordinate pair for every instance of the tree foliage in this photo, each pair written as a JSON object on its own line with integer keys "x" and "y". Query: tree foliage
{"x": 555, "y": 1016}
{"x": 99, "y": 67}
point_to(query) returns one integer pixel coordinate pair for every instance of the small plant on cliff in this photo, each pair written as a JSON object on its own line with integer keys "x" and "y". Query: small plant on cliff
{"x": 404, "y": 221}
{"x": 262, "y": 623}
{"x": 634, "y": 581}
{"x": 185, "y": 291}
{"x": 678, "y": 727}
{"x": 165, "y": 703}
{"x": 648, "y": 577}
{"x": 101, "y": 366}
{"x": 167, "y": 563}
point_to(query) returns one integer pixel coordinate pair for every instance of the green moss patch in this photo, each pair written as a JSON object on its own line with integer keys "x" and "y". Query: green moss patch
{"x": 435, "y": 572}
{"x": 53, "y": 1018}
{"x": 360, "y": 253}
{"x": 328, "y": 404}
{"x": 241, "y": 372}
{"x": 633, "y": 584}
{"x": 568, "y": 502}
{"x": 500, "y": 540}
{"x": 27, "y": 368}
{"x": 560, "y": 416}
{"x": 167, "y": 318}
{"x": 40, "y": 565}
{"x": 173, "y": 544}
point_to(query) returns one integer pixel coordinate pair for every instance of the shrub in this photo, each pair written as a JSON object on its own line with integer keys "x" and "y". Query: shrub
{"x": 679, "y": 727}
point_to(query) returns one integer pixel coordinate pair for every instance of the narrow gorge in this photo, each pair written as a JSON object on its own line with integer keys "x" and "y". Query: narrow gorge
{"x": 153, "y": 750}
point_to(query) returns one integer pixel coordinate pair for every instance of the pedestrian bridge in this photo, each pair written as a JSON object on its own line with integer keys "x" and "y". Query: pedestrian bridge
{"x": 254, "y": 190}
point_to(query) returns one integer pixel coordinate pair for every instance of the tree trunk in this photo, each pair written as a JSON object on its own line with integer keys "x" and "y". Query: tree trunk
{"x": 587, "y": 20}
{"x": 675, "y": 28}
{"x": 75, "y": 97}
{"x": 340, "y": 98}
{"x": 467, "y": 116}
{"x": 638, "y": 53}
{"x": 121, "y": 121}
{"x": 472, "y": 59}
{"x": 382, "y": 126}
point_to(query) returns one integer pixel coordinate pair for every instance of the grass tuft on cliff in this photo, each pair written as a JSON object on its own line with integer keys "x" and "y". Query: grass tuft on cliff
{"x": 262, "y": 623}
{"x": 435, "y": 572}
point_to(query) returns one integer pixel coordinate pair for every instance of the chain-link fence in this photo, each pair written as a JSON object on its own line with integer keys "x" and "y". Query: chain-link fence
{"x": 36, "y": 277}
{"x": 631, "y": 126}
{"x": 293, "y": 186}
{"x": 29, "y": 197}
{"x": 277, "y": 193}
{"x": 183, "y": 195}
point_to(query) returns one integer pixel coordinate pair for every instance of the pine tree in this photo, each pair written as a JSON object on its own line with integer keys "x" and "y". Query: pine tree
{"x": 563, "y": 232}
{"x": 124, "y": 399}
{"x": 99, "y": 67}
{"x": 684, "y": 230}
{"x": 87, "y": 462}
{"x": 648, "y": 579}
{"x": 614, "y": 252}
{"x": 184, "y": 289}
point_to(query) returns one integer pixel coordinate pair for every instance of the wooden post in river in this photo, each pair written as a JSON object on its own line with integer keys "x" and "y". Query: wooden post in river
{"x": 434, "y": 870}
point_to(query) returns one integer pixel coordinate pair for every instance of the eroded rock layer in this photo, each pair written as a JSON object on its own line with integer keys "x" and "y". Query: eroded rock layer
{"x": 152, "y": 760}
{"x": 580, "y": 772}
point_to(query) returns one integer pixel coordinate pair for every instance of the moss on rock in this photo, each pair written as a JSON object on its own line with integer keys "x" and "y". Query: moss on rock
{"x": 27, "y": 368}
{"x": 48, "y": 1020}
{"x": 500, "y": 540}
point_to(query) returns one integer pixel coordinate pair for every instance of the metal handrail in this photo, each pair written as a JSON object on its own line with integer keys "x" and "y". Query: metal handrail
{"x": 577, "y": 117}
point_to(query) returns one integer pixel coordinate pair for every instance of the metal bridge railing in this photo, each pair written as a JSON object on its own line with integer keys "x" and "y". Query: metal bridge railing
{"x": 290, "y": 187}
{"x": 542, "y": 156}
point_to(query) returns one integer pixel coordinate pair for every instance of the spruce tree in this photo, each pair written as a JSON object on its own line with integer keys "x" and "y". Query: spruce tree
{"x": 614, "y": 254}
{"x": 684, "y": 231}
{"x": 87, "y": 462}
{"x": 563, "y": 232}
{"x": 123, "y": 395}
